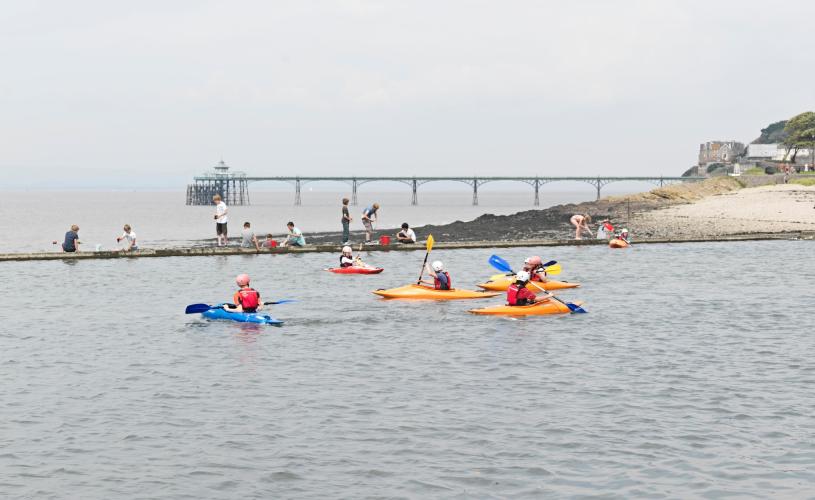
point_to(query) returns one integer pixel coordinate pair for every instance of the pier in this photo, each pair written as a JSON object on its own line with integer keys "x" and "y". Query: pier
{"x": 234, "y": 186}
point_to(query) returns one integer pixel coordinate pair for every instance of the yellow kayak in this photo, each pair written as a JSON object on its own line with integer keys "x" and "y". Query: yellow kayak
{"x": 425, "y": 292}
{"x": 539, "y": 309}
{"x": 502, "y": 284}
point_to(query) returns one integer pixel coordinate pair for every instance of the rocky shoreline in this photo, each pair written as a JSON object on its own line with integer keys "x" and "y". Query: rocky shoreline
{"x": 553, "y": 223}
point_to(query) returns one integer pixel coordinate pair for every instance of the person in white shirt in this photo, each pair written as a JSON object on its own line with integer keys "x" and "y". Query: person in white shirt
{"x": 406, "y": 235}
{"x": 221, "y": 219}
{"x": 129, "y": 237}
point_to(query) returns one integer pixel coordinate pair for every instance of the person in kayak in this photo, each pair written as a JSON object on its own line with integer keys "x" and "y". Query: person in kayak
{"x": 581, "y": 223}
{"x": 624, "y": 235}
{"x": 246, "y": 299}
{"x": 441, "y": 278}
{"x": 519, "y": 295}
{"x": 347, "y": 257}
{"x": 534, "y": 266}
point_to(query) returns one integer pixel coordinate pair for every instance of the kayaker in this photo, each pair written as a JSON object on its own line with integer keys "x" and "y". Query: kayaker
{"x": 534, "y": 266}
{"x": 624, "y": 235}
{"x": 347, "y": 257}
{"x": 441, "y": 278}
{"x": 246, "y": 299}
{"x": 519, "y": 295}
{"x": 581, "y": 224}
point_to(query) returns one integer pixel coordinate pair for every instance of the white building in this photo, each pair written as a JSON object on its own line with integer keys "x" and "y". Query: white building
{"x": 775, "y": 152}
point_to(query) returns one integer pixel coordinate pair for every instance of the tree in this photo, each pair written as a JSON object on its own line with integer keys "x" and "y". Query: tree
{"x": 773, "y": 134}
{"x": 800, "y": 130}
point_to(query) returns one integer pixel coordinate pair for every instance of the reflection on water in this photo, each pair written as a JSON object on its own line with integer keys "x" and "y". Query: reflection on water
{"x": 681, "y": 382}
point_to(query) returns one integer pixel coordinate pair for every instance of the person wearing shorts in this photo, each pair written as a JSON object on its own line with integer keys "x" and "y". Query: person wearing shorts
{"x": 368, "y": 218}
{"x": 221, "y": 219}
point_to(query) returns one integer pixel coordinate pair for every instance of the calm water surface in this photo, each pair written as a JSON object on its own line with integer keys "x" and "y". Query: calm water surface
{"x": 691, "y": 376}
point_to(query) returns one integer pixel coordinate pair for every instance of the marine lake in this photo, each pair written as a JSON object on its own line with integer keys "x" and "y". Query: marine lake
{"x": 691, "y": 376}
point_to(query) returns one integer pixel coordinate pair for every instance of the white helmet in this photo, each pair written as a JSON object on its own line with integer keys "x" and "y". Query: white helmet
{"x": 624, "y": 231}
{"x": 437, "y": 266}
{"x": 522, "y": 276}
{"x": 346, "y": 249}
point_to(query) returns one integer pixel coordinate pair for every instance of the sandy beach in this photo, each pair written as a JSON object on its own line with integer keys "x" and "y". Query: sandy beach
{"x": 764, "y": 209}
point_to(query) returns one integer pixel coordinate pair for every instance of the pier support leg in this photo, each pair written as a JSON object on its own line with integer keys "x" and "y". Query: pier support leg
{"x": 475, "y": 191}
{"x": 415, "y": 200}
{"x": 537, "y": 192}
{"x": 354, "y": 192}
{"x": 599, "y": 185}
{"x": 297, "y": 200}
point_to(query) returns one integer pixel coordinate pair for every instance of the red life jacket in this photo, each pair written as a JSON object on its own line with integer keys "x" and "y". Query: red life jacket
{"x": 512, "y": 295}
{"x": 249, "y": 299}
{"x": 437, "y": 282}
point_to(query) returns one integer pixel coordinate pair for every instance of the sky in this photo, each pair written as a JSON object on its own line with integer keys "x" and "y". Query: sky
{"x": 145, "y": 95}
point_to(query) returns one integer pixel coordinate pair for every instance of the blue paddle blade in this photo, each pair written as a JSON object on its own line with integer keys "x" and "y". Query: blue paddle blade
{"x": 500, "y": 264}
{"x": 197, "y": 308}
{"x": 575, "y": 308}
{"x": 550, "y": 263}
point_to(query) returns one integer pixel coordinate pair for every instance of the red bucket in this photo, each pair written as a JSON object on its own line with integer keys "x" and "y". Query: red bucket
{"x": 384, "y": 240}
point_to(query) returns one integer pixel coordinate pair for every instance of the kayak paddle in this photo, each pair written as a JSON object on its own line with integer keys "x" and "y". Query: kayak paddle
{"x": 552, "y": 268}
{"x": 502, "y": 265}
{"x": 199, "y": 308}
{"x": 429, "y": 246}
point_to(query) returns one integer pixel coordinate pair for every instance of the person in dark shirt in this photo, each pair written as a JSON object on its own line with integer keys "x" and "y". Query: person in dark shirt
{"x": 346, "y": 222}
{"x": 71, "y": 243}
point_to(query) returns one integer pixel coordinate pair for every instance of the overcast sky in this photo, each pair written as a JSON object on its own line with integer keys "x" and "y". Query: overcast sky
{"x": 147, "y": 94}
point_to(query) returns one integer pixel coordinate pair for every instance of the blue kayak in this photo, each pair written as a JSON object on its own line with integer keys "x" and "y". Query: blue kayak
{"x": 242, "y": 317}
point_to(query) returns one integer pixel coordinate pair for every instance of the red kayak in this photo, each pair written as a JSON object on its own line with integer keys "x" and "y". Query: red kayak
{"x": 356, "y": 270}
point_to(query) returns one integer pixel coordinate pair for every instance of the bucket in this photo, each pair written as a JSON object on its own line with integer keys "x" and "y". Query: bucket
{"x": 384, "y": 240}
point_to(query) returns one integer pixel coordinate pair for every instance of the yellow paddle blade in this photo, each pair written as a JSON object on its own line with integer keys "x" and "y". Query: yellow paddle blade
{"x": 498, "y": 277}
{"x": 430, "y": 242}
{"x": 555, "y": 269}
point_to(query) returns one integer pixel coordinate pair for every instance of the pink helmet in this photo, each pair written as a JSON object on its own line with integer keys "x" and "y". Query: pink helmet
{"x": 242, "y": 279}
{"x": 534, "y": 261}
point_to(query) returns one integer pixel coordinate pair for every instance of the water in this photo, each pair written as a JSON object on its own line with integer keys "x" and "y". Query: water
{"x": 691, "y": 376}
{"x": 30, "y": 221}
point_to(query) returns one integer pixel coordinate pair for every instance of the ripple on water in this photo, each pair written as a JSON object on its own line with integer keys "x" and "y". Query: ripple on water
{"x": 670, "y": 387}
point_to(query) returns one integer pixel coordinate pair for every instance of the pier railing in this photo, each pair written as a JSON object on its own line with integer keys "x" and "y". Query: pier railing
{"x": 235, "y": 189}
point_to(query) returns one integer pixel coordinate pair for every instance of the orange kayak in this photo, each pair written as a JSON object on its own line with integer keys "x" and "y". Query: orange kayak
{"x": 425, "y": 292}
{"x": 618, "y": 243}
{"x": 539, "y": 309}
{"x": 501, "y": 284}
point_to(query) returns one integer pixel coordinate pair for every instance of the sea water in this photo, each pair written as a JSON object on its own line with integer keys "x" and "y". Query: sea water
{"x": 691, "y": 376}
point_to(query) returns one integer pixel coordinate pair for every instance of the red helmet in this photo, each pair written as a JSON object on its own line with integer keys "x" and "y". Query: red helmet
{"x": 533, "y": 261}
{"x": 242, "y": 279}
